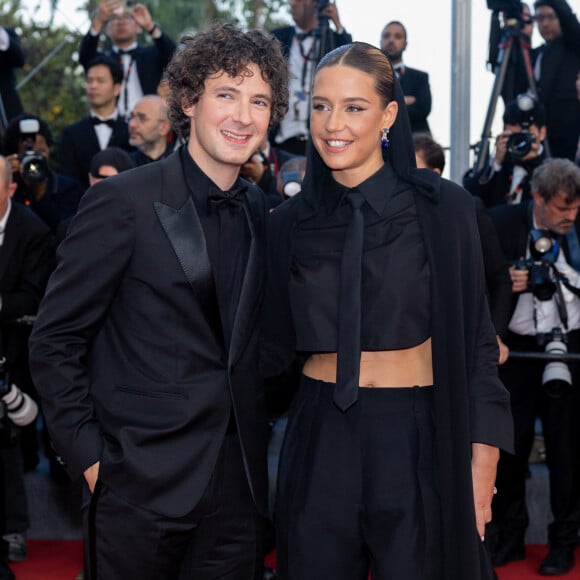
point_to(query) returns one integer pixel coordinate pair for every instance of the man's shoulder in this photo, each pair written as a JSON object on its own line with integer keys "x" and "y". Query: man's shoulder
{"x": 77, "y": 127}
{"x": 28, "y": 222}
{"x": 509, "y": 214}
{"x": 283, "y": 33}
{"x": 416, "y": 72}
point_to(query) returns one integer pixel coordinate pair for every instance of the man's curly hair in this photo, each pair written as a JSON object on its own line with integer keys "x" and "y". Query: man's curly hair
{"x": 224, "y": 48}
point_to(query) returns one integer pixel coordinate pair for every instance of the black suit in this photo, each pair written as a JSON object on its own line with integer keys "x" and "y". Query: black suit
{"x": 9, "y": 60}
{"x": 79, "y": 142}
{"x": 415, "y": 83}
{"x": 560, "y": 63}
{"x": 128, "y": 341}
{"x": 150, "y": 60}
{"x": 529, "y": 400}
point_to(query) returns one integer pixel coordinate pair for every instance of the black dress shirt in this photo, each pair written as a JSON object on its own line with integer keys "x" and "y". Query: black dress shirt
{"x": 395, "y": 273}
{"x": 227, "y": 237}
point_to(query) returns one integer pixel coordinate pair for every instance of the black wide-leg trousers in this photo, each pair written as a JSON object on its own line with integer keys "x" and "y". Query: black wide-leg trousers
{"x": 356, "y": 490}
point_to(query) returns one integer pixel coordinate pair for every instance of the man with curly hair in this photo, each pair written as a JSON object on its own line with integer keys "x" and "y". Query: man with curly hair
{"x": 144, "y": 351}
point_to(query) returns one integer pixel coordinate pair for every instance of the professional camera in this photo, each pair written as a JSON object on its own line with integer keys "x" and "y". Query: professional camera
{"x": 15, "y": 404}
{"x": 557, "y": 377}
{"x": 320, "y": 6}
{"x": 544, "y": 252}
{"x": 520, "y": 144}
{"x": 33, "y": 165}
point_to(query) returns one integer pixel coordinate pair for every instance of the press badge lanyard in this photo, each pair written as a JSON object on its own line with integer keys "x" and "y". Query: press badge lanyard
{"x": 306, "y": 58}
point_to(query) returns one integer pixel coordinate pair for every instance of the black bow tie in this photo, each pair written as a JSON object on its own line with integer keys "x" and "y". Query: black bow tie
{"x": 131, "y": 52}
{"x": 302, "y": 35}
{"x": 96, "y": 121}
{"x": 232, "y": 199}
{"x": 400, "y": 70}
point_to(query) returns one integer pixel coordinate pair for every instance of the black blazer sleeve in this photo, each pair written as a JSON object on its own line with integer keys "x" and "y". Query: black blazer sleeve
{"x": 152, "y": 61}
{"x": 14, "y": 56}
{"x": 100, "y": 239}
{"x": 497, "y": 278}
{"x": 10, "y": 60}
{"x": 88, "y": 49}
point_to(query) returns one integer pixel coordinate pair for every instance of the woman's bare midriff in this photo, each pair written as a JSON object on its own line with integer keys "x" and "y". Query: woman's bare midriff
{"x": 408, "y": 367}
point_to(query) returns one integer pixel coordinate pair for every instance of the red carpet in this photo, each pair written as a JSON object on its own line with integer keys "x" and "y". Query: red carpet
{"x": 51, "y": 560}
{"x": 63, "y": 560}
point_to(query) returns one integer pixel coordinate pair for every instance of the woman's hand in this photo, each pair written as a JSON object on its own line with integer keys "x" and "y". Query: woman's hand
{"x": 484, "y": 460}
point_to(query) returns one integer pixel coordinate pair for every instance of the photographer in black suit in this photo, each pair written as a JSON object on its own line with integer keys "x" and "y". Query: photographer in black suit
{"x": 415, "y": 83}
{"x": 539, "y": 238}
{"x": 143, "y": 65}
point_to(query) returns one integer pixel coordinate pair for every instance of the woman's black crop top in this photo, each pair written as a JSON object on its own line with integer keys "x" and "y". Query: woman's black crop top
{"x": 395, "y": 272}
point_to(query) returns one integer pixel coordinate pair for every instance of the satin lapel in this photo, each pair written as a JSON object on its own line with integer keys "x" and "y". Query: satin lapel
{"x": 181, "y": 223}
{"x": 253, "y": 279}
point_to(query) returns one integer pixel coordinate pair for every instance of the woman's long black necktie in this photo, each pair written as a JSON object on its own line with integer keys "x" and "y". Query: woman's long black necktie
{"x": 348, "y": 366}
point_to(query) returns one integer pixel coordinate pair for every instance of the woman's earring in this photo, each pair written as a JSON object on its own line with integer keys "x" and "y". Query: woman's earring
{"x": 385, "y": 142}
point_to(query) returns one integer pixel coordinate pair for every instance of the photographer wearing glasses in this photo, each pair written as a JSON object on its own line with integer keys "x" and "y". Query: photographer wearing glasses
{"x": 539, "y": 239}
{"x": 143, "y": 64}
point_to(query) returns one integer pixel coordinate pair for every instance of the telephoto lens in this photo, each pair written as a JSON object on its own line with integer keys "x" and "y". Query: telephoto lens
{"x": 20, "y": 408}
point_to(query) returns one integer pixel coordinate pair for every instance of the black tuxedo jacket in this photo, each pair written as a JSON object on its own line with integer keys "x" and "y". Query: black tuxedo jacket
{"x": 415, "y": 83}
{"x": 330, "y": 41}
{"x": 128, "y": 354}
{"x": 26, "y": 261}
{"x": 79, "y": 142}
{"x": 150, "y": 60}
{"x": 10, "y": 60}
{"x": 560, "y": 63}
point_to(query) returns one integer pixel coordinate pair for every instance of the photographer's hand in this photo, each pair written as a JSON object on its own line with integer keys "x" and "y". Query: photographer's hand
{"x": 103, "y": 13}
{"x": 91, "y": 475}
{"x": 14, "y": 162}
{"x": 331, "y": 11}
{"x": 142, "y": 16}
{"x": 501, "y": 147}
{"x": 519, "y": 279}
{"x": 253, "y": 169}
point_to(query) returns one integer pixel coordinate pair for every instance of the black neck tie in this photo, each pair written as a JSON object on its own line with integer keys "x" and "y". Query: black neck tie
{"x": 110, "y": 122}
{"x": 348, "y": 366}
{"x": 232, "y": 199}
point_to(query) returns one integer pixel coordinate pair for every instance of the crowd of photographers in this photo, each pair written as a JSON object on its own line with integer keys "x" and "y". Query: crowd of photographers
{"x": 529, "y": 189}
